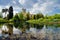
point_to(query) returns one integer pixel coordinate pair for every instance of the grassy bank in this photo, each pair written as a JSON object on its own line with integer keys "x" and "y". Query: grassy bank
{"x": 44, "y": 21}
{"x": 5, "y": 21}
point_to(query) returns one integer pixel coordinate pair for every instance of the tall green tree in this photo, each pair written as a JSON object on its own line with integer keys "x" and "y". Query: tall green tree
{"x": 10, "y": 12}
{"x": 40, "y": 15}
{"x": 28, "y": 16}
{"x": 20, "y": 16}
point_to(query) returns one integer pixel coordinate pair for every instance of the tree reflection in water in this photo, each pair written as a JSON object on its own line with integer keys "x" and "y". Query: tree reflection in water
{"x": 38, "y": 31}
{"x": 10, "y": 27}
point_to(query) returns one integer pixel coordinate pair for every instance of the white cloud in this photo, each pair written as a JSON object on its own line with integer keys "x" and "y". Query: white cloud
{"x": 15, "y": 12}
{"x": 0, "y": 8}
{"x": 57, "y": 6}
{"x": 16, "y": 7}
{"x": 38, "y": 8}
{"x": 34, "y": 8}
{"x": 7, "y": 6}
{"x": 22, "y": 1}
{"x": 44, "y": 7}
{"x": 14, "y": 2}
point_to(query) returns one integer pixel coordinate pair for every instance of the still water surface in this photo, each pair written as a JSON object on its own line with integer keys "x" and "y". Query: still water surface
{"x": 48, "y": 32}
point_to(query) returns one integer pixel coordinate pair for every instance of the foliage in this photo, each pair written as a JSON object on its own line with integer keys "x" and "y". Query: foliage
{"x": 28, "y": 16}
{"x": 37, "y": 18}
{"x": 3, "y": 20}
{"x": 47, "y": 19}
{"x": 20, "y": 16}
{"x": 0, "y": 15}
{"x": 10, "y": 12}
{"x": 39, "y": 15}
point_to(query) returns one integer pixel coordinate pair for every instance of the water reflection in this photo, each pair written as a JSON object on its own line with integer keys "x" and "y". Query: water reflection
{"x": 10, "y": 27}
{"x": 47, "y": 32}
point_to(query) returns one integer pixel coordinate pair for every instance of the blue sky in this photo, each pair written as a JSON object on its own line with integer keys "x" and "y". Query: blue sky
{"x": 33, "y": 6}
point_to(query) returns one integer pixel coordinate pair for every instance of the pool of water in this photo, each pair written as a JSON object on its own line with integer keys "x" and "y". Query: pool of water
{"x": 46, "y": 32}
